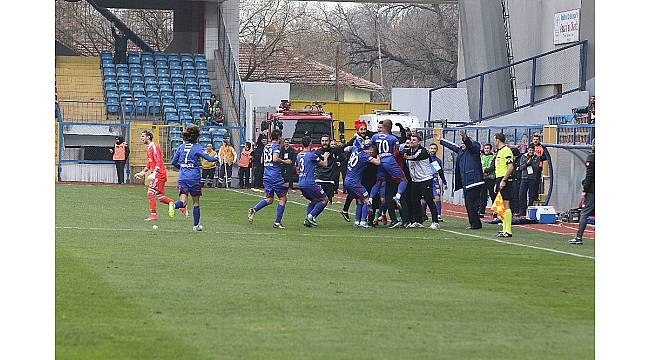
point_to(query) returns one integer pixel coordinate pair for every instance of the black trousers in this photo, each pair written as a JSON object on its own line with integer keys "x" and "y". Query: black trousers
{"x": 328, "y": 188}
{"x": 207, "y": 176}
{"x": 487, "y": 192}
{"x": 244, "y": 177}
{"x": 472, "y": 205}
{"x": 258, "y": 176}
{"x": 119, "y": 166}
{"x": 588, "y": 208}
{"x": 419, "y": 190}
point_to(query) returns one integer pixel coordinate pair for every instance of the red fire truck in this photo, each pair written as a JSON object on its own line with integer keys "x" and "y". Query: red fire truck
{"x": 296, "y": 123}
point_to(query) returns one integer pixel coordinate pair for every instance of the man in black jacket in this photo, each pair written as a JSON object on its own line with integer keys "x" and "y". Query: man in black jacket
{"x": 588, "y": 194}
{"x": 120, "y": 46}
{"x": 325, "y": 175}
{"x": 288, "y": 170}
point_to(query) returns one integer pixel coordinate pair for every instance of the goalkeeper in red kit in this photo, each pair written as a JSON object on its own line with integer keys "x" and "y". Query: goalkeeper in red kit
{"x": 158, "y": 176}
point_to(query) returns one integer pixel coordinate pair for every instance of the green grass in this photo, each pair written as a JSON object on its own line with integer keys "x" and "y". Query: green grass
{"x": 333, "y": 292}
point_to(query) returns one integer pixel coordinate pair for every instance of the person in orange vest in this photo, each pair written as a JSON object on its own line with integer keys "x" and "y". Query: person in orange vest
{"x": 244, "y": 164}
{"x": 120, "y": 155}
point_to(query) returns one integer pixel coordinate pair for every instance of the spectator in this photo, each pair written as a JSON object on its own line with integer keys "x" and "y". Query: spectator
{"x": 209, "y": 168}
{"x": 201, "y": 121}
{"x": 227, "y": 156}
{"x": 339, "y": 155}
{"x": 213, "y": 109}
{"x": 487, "y": 159}
{"x": 121, "y": 41}
{"x": 588, "y": 194}
{"x": 439, "y": 191}
{"x": 469, "y": 175}
{"x": 528, "y": 168}
{"x": 256, "y": 161}
{"x": 288, "y": 170}
{"x": 539, "y": 151}
{"x": 120, "y": 155}
{"x": 244, "y": 165}
{"x": 325, "y": 175}
{"x": 514, "y": 177}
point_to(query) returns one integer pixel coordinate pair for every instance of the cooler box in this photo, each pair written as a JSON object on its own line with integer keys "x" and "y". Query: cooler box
{"x": 531, "y": 213}
{"x": 546, "y": 215}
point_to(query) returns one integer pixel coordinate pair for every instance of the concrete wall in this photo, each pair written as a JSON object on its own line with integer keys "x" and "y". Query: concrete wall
{"x": 531, "y": 25}
{"x": 326, "y": 93}
{"x": 262, "y": 95}
{"x": 539, "y": 113}
{"x": 450, "y": 104}
{"x": 356, "y": 95}
{"x": 484, "y": 48}
{"x": 187, "y": 24}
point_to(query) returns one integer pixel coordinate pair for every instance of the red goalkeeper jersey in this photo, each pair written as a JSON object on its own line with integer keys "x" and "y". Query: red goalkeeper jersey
{"x": 154, "y": 158}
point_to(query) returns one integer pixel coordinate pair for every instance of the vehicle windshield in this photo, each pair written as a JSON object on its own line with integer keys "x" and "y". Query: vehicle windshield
{"x": 297, "y": 129}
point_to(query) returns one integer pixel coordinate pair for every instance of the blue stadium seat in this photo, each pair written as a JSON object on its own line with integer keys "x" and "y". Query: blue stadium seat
{"x": 152, "y": 88}
{"x": 169, "y": 109}
{"x": 192, "y": 86}
{"x": 199, "y": 56}
{"x": 205, "y": 87}
{"x": 127, "y": 106}
{"x": 107, "y": 63}
{"x": 203, "y": 80}
{"x": 112, "y": 105}
{"x": 193, "y": 94}
{"x": 136, "y": 79}
{"x": 137, "y": 86}
{"x": 177, "y": 86}
{"x": 196, "y": 114}
{"x": 133, "y": 59}
{"x": 184, "y": 112}
{"x": 106, "y": 55}
{"x": 110, "y": 77}
{"x": 122, "y": 66}
{"x": 147, "y": 62}
{"x": 159, "y": 56}
{"x": 125, "y": 94}
{"x": 135, "y": 66}
{"x": 190, "y": 80}
{"x": 108, "y": 71}
{"x": 201, "y": 65}
{"x": 176, "y": 80}
{"x": 153, "y": 95}
{"x": 180, "y": 96}
{"x": 139, "y": 96}
{"x": 202, "y": 72}
{"x": 154, "y": 107}
{"x": 162, "y": 72}
{"x": 175, "y": 72}
{"x": 111, "y": 93}
{"x": 110, "y": 86}
{"x": 164, "y": 85}
{"x": 166, "y": 93}
{"x": 174, "y": 63}
{"x": 149, "y": 72}
{"x": 150, "y": 79}
{"x": 187, "y": 57}
{"x": 123, "y": 83}
{"x": 187, "y": 64}
{"x": 196, "y": 107}
{"x": 161, "y": 64}
{"x": 141, "y": 107}
{"x": 168, "y": 101}
{"x": 195, "y": 102}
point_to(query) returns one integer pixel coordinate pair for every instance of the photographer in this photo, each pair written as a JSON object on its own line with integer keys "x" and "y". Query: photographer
{"x": 528, "y": 170}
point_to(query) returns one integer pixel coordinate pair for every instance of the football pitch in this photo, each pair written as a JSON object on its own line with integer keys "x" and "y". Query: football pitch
{"x": 239, "y": 290}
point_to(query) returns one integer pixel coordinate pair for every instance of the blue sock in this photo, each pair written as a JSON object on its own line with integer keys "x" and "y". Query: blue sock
{"x": 317, "y": 209}
{"x": 197, "y": 215}
{"x": 364, "y": 212}
{"x": 278, "y": 214}
{"x": 178, "y": 204}
{"x": 357, "y": 216}
{"x": 439, "y": 207}
{"x": 310, "y": 207}
{"x": 402, "y": 186}
{"x": 260, "y": 205}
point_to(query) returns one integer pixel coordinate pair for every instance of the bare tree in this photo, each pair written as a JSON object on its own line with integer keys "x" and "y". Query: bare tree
{"x": 267, "y": 28}
{"x": 80, "y": 27}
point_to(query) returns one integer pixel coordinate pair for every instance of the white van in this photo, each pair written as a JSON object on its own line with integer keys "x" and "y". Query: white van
{"x": 403, "y": 117}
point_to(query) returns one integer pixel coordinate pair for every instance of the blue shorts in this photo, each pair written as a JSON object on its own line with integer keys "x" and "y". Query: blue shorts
{"x": 357, "y": 190}
{"x": 189, "y": 187}
{"x": 390, "y": 167}
{"x": 313, "y": 192}
{"x": 435, "y": 187}
{"x": 278, "y": 187}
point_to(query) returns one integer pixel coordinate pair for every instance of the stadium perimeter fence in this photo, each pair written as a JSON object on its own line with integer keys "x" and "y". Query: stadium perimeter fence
{"x": 83, "y": 148}
{"x": 566, "y": 148}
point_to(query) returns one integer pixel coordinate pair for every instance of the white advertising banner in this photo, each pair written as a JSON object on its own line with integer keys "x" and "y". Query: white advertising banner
{"x": 567, "y": 27}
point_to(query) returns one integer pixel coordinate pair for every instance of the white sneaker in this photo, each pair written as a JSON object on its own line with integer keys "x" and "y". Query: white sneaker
{"x": 198, "y": 227}
{"x": 435, "y": 226}
{"x": 417, "y": 225}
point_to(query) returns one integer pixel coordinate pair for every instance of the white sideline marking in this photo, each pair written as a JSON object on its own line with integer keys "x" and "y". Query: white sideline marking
{"x": 237, "y": 233}
{"x": 460, "y": 233}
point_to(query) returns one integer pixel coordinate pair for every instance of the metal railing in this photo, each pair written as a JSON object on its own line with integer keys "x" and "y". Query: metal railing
{"x": 82, "y": 111}
{"x": 562, "y": 71}
{"x": 232, "y": 71}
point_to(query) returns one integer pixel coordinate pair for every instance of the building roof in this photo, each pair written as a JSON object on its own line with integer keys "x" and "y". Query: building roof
{"x": 284, "y": 66}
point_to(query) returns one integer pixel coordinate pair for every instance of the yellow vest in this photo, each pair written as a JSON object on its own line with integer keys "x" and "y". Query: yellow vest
{"x": 205, "y": 164}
